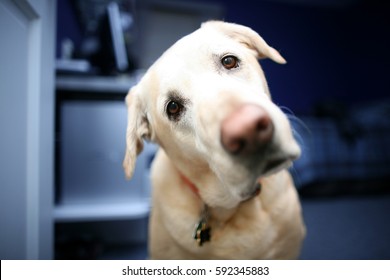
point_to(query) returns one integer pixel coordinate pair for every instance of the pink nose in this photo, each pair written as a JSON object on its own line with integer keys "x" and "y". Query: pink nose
{"x": 246, "y": 130}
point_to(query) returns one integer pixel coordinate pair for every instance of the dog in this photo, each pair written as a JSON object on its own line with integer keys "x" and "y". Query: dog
{"x": 221, "y": 189}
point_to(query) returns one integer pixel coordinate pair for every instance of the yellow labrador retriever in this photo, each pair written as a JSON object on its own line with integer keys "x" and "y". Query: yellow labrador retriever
{"x": 220, "y": 185}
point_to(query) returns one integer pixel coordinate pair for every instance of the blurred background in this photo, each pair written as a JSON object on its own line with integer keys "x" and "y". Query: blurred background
{"x": 67, "y": 65}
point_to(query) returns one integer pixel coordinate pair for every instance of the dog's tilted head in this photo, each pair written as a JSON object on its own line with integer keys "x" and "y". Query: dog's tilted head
{"x": 206, "y": 103}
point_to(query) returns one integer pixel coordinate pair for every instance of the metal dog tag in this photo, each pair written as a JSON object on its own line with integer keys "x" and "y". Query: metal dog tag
{"x": 202, "y": 232}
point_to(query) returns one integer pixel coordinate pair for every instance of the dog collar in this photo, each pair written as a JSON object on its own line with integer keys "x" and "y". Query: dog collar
{"x": 202, "y": 231}
{"x": 189, "y": 184}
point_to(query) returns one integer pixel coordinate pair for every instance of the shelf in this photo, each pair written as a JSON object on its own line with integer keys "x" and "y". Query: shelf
{"x": 102, "y": 212}
{"x": 98, "y": 84}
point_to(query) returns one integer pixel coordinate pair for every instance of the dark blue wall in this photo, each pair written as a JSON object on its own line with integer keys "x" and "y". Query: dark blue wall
{"x": 336, "y": 53}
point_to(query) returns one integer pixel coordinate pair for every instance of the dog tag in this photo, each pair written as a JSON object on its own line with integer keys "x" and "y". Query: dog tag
{"x": 202, "y": 232}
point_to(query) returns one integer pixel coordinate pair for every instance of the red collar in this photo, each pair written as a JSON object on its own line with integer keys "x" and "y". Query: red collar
{"x": 189, "y": 184}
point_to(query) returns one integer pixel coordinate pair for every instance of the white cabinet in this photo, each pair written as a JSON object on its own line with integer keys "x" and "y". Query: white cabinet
{"x": 92, "y": 185}
{"x": 93, "y": 197}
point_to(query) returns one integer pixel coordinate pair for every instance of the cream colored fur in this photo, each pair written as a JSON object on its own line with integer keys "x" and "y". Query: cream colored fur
{"x": 268, "y": 226}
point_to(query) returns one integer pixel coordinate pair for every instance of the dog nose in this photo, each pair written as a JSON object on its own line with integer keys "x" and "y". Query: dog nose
{"x": 246, "y": 130}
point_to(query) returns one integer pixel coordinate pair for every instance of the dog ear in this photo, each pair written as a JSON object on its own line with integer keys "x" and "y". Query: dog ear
{"x": 138, "y": 129}
{"x": 248, "y": 37}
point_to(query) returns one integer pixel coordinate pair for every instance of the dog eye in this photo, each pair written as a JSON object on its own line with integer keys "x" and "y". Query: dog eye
{"x": 174, "y": 109}
{"x": 229, "y": 62}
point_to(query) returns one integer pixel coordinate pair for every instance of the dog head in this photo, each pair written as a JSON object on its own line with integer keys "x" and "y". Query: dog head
{"x": 206, "y": 102}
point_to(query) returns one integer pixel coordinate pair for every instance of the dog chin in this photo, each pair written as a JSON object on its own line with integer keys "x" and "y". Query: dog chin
{"x": 274, "y": 166}
{"x": 268, "y": 168}
{"x": 282, "y": 159}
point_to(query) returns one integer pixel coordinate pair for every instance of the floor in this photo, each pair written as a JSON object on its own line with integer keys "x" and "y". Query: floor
{"x": 130, "y": 252}
{"x": 356, "y": 227}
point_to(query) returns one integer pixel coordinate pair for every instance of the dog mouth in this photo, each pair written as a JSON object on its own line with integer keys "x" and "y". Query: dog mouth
{"x": 272, "y": 166}
{"x": 277, "y": 160}
{"x": 276, "y": 164}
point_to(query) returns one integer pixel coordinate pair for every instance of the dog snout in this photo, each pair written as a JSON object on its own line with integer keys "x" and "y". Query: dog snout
{"x": 246, "y": 130}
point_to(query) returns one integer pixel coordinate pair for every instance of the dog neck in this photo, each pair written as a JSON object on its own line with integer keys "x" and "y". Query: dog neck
{"x": 218, "y": 214}
{"x": 188, "y": 183}
{"x": 210, "y": 216}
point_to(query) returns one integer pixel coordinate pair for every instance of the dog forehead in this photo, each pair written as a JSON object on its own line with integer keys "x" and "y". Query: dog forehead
{"x": 195, "y": 54}
{"x": 196, "y": 48}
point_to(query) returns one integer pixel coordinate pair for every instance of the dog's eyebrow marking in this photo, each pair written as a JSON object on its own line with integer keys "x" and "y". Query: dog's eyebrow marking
{"x": 174, "y": 95}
